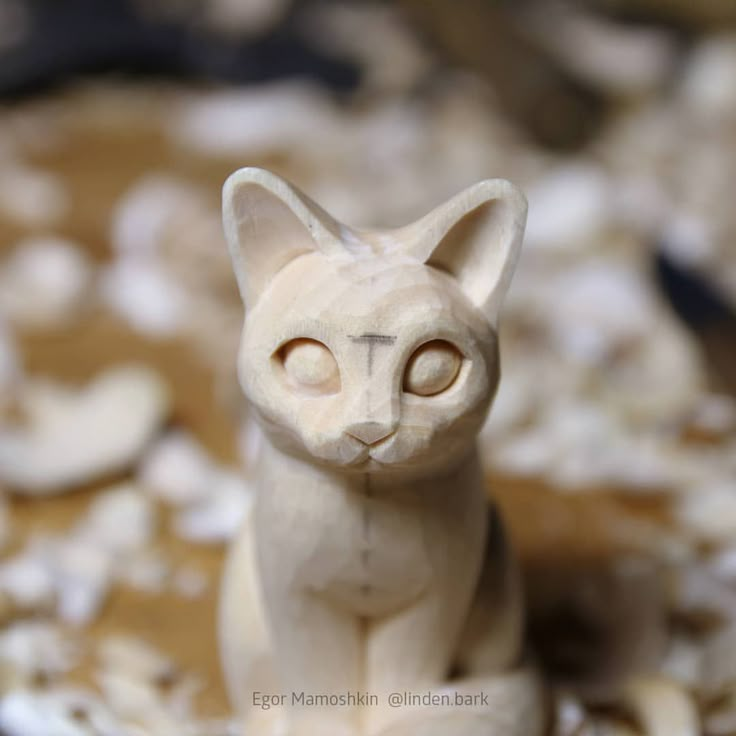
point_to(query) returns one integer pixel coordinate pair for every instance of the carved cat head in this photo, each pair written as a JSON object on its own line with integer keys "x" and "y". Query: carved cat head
{"x": 370, "y": 350}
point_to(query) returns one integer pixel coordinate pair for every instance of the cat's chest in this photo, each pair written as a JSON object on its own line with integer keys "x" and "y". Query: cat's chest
{"x": 365, "y": 548}
{"x": 379, "y": 559}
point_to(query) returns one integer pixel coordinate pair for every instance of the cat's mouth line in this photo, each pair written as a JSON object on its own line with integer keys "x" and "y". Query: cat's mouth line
{"x": 367, "y": 459}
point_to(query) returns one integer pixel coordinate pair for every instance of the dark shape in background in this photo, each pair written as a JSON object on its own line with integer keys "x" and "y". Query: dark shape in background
{"x": 708, "y": 315}
{"x": 65, "y": 39}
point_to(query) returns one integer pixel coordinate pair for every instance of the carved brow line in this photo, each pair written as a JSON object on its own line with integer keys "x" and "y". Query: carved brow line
{"x": 373, "y": 339}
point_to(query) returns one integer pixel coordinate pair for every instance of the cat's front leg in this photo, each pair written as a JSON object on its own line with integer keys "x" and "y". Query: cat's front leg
{"x": 317, "y": 648}
{"x": 411, "y": 652}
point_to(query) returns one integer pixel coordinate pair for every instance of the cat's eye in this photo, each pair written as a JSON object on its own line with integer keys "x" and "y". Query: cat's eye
{"x": 309, "y": 366}
{"x": 432, "y": 368}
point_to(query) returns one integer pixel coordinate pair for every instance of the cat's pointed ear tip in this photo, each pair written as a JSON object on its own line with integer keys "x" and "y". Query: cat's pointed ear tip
{"x": 502, "y": 189}
{"x": 247, "y": 175}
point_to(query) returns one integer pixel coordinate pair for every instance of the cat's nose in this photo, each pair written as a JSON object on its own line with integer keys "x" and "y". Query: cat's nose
{"x": 370, "y": 432}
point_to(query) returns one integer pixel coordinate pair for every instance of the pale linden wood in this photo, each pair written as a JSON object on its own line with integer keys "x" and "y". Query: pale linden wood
{"x": 371, "y": 561}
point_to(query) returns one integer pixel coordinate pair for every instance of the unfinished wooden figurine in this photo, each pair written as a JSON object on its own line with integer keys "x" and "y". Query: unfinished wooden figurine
{"x": 372, "y": 567}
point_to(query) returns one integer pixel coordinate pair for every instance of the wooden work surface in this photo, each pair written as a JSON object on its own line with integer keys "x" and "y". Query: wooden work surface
{"x": 98, "y": 159}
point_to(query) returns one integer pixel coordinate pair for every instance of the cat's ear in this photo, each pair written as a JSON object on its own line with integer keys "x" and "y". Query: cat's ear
{"x": 475, "y": 236}
{"x": 268, "y": 222}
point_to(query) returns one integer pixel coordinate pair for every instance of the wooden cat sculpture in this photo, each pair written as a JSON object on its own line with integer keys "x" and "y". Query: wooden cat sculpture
{"x": 372, "y": 567}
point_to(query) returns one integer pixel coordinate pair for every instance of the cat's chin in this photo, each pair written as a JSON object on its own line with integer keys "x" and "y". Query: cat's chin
{"x": 380, "y": 458}
{"x": 373, "y": 464}
{"x": 352, "y": 456}
{"x": 365, "y": 462}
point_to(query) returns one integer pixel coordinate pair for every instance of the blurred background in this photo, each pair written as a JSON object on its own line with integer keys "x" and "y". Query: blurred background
{"x": 124, "y": 444}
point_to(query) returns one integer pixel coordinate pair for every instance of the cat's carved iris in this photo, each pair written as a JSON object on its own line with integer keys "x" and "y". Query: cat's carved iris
{"x": 310, "y": 366}
{"x": 432, "y": 368}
